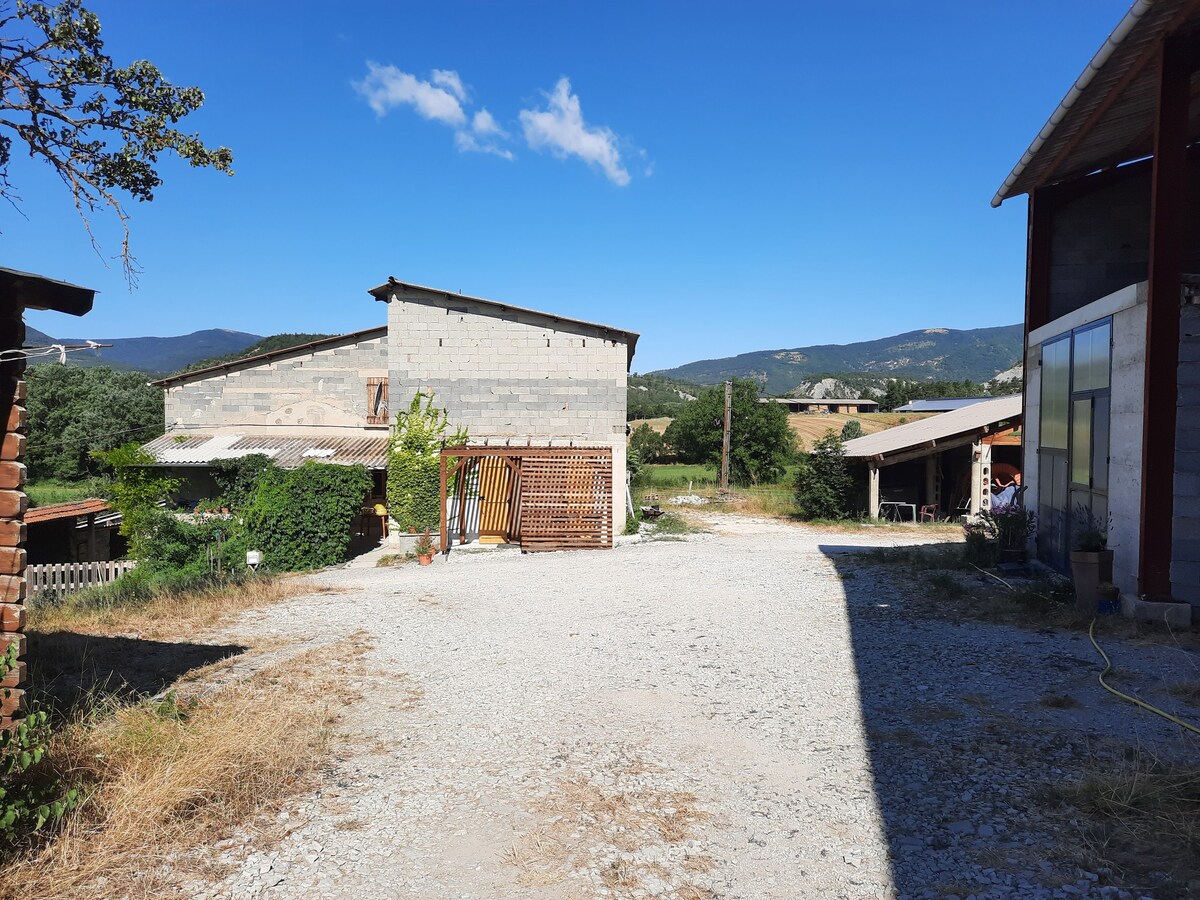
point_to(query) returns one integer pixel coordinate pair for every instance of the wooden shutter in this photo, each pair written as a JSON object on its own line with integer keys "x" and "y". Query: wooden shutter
{"x": 377, "y": 401}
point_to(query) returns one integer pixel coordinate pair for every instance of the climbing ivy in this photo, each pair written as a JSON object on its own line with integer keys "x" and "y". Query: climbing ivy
{"x": 238, "y": 478}
{"x": 30, "y": 798}
{"x": 301, "y": 518}
{"x": 414, "y": 464}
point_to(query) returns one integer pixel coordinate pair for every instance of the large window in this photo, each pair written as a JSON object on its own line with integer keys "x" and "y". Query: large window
{"x": 1073, "y": 448}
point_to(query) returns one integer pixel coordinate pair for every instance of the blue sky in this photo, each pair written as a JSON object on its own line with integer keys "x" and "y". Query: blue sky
{"x": 721, "y": 178}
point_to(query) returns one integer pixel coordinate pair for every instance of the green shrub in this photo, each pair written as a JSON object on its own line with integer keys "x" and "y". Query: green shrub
{"x": 238, "y": 478}
{"x": 138, "y": 484}
{"x": 851, "y": 430}
{"x": 301, "y": 518}
{"x": 823, "y": 483}
{"x": 31, "y": 797}
{"x": 648, "y": 444}
{"x": 414, "y": 464}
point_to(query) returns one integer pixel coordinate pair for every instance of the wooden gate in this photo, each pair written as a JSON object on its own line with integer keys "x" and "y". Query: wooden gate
{"x": 547, "y": 498}
{"x": 567, "y": 501}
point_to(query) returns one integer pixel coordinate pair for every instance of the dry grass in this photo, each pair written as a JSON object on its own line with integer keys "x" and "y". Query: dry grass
{"x": 1145, "y": 821}
{"x": 586, "y": 821}
{"x": 162, "y": 776}
{"x": 660, "y": 424}
{"x": 812, "y": 427}
{"x": 170, "y": 615}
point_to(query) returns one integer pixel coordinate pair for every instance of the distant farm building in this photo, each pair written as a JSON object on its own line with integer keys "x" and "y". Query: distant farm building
{"x": 939, "y": 404}
{"x": 823, "y": 405}
{"x": 542, "y": 396}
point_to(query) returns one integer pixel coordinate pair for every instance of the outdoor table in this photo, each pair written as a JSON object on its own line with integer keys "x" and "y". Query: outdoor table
{"x": 893, "y": 509}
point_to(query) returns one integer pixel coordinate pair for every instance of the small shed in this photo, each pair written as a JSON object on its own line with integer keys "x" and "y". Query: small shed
{"x": 948, "y": 462}
{"x": 939, "y": 404}
{"x": 79, "y": 531}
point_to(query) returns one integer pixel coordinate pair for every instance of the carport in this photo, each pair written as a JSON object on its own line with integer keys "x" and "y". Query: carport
{"x": 949, "y": 461}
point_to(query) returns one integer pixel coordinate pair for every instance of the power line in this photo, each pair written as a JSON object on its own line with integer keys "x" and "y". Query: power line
{"x": 59, "y": 350}
{"x": 41, "y": 444}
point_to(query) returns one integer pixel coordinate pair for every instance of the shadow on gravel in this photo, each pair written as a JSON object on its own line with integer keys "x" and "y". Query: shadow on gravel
{"x": 66, "y": 667}
{"x": 943, "y": 731}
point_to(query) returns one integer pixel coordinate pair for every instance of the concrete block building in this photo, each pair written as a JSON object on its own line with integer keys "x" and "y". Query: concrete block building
{"x": 1112, "y": 308}
{"x": 516, "y": 379}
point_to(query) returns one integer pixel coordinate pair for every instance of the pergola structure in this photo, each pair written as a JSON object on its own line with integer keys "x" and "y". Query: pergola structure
{"x": 545, "y": 498}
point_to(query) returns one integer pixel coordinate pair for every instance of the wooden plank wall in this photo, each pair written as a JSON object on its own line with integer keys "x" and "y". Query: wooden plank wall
{"x": 566, "y": 500}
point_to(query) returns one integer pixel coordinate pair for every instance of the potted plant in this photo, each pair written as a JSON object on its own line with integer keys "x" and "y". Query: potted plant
{"x": 424, "y": 548}
{"x": 1014, "y": 525}
{"x": 1091, "y": 560}
{"x": 1110, "y": 597}
{"x": 982, "y": 541}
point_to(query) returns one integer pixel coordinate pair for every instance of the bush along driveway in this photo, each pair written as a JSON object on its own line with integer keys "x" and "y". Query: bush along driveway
{"x": 758, "y": 711}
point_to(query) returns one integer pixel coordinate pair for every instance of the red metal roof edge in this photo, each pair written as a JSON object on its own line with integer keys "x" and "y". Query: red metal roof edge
{"x": 66, "y": 510}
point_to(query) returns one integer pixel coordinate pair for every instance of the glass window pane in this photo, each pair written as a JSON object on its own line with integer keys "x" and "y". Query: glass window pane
{"x": 1101, "y": 353}
{"x": 1082, "y": 362}
{"x": 1056, "y": 392}
{"x": 1100, "y": 443}
{"x": 1081, "y": 442}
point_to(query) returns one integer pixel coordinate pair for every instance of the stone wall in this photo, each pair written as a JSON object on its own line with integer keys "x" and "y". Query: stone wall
{"x": 323, "y": 388}
{"x": 1185, "y": 531}
{"x": 512, "y": 377}
{"x": 12, "y": 509}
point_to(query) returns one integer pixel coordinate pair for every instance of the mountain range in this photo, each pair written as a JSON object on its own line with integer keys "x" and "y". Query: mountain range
{"x": 978, "y": 354}
{"x": 152, "y": 355}
{"x": 931, "y": 354}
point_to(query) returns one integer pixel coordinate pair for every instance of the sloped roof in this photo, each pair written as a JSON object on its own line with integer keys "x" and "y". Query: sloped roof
{"x": 65, "y": 510}
{"x": 956, "y": 423}
{"x": 37, "y": 292}
{"x": 939, "y": 404}
{"x": 286, "y": 451}
{"x": 1107, "y": 116}
{"x": 353, "y": 336}
{"x": 385, "y": 290}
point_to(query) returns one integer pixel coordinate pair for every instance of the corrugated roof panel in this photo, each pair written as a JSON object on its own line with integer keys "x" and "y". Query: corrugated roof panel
{"x": 286, "y": 451}
{"x": 935, "y": 428}
{"x": 65, "y": 510}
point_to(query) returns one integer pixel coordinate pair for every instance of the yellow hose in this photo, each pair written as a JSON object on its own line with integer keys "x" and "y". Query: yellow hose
{"x": 1134, "y": 700}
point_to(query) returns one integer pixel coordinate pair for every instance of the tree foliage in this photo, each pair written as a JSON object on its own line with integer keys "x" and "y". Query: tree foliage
{"x": 238, "y": 478}
{"x": 852, "y": 429}
{"x": 648, "y": 444}
{"x": 823, "y": 483}
{"x": 760, "y": 444}
{"x": 138, "y": 485}
{"x": 99, "y": 126}
{"x": 74, "y": 412}
{"x": 414, "y": 463}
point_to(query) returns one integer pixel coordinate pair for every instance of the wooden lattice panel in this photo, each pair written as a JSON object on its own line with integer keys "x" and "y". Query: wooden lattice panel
{"x": 566, "y": 500}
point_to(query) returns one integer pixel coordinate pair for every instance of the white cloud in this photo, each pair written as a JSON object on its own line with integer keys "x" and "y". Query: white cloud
{"x": 386, "y": 87}
{"x": 485, "y": 123}
{"x": 468, "y": 143}
{"x": 449, "y": 80}
{"x": 561, "y": 128}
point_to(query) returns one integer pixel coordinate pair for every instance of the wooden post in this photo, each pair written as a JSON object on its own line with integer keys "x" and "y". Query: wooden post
{"x": 12, "y": 508}
{"x": 931, "y": 485}
{"x": 1168, "y": 193}
{"x": 724, "y": 485}
{"x": 444, "y": 546}
{"x": 873, "y": 490}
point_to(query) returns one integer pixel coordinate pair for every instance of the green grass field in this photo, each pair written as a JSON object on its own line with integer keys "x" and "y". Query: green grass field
{"x": 50, "y": 491}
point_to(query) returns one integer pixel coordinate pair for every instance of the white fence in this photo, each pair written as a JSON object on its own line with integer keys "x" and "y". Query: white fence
{"x": 62, "y": 578}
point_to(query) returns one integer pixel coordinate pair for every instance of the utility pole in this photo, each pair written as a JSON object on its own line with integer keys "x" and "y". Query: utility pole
{"x": 724, "y": 483}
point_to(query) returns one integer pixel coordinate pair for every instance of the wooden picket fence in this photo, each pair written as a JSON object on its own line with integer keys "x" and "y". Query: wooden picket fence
{"x": 63, "y": 578}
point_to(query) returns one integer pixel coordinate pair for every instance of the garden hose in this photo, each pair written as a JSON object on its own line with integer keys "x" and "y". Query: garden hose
{"x": 1108, "y": 668}
{"x": 1134, "y": 700}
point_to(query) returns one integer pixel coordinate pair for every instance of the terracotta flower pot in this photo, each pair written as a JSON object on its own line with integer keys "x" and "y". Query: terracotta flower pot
{"x": 425, "y": 558}
{"x": 1089, "y": 569}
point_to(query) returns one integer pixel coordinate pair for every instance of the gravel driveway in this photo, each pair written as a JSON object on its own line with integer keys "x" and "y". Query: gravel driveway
{"x": 749, "y": 713}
